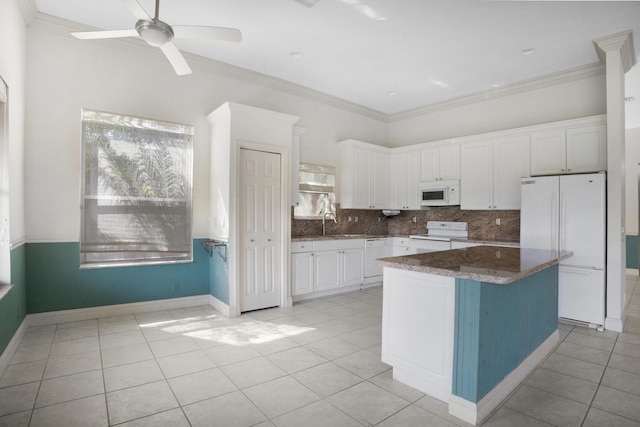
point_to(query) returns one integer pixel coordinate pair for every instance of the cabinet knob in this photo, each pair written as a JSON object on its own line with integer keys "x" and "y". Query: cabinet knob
{"x": 251, "y": 240}
{"x": 561, "y": 170}
{"x": 268, "y": 240}
{"x": 568, "y": 170}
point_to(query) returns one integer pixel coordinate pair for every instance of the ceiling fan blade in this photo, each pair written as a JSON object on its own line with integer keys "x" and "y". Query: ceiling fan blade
{"x": 201, "y": 32}
{"x": 89, "y": 35}
{"x": 175, "y": 58}
{"x": 137, "y": 10}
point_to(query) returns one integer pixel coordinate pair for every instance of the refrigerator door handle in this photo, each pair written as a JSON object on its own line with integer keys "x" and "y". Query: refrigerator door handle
{"x": 563, "y": 220}
{"x": 554, "y": 222}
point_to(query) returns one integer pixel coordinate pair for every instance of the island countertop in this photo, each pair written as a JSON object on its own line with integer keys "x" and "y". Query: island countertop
{"x": 490, "y": 264}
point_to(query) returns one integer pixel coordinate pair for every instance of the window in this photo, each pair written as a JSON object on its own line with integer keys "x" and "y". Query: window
{"x": 136, "y": 190}
{"x": 316, "y": 191}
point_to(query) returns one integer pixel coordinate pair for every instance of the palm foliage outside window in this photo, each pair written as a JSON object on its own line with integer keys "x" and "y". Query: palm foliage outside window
{"x": 316, "y": 191}
{"x": 136, "y": 193}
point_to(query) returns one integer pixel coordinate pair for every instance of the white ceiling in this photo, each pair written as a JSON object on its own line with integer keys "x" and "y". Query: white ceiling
{"x": 422, "y": 51}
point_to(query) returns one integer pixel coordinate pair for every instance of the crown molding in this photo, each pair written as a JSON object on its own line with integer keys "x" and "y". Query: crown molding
{"x": 63, "y": 27}
{"x": 623, "y": 42}
{"x": 549, "y": 80}
{"x": 29, "y": 10}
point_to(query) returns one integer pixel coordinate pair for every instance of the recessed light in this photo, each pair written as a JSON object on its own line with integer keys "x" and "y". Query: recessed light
{"x": 296, "y": 55}
{"x": 528, "y": 51}
{"x": 392, "y": 93}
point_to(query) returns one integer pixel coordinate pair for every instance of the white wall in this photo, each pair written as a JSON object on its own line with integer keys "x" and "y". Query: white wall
{"x": 12, "y": 70}
{"x": 65, "y": 75}
{"x": 581, "y": 98}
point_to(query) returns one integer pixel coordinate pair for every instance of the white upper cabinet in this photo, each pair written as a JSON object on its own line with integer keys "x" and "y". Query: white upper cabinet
{"x": 363, "y": 175}
{"x": 587, "y": 149}
{"x": 491, "y": 172}
{"x": 440, "y": 163}
{"x": 567, "y": 150}
{"x": 404, "y": 178}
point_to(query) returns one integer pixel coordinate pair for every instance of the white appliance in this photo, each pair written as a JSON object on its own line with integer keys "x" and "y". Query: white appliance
{"x": 373, "y": 250}
{"x": 439, "y": 193}
{"x": 438, "y": 236}
{"x": 568, "y": 212}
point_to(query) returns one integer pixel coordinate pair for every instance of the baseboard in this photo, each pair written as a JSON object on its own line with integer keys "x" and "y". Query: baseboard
{"x": 75, "y": 315}
{"x": 613, "y": 324}
{"x": 219, "y": 305}
{"x": 7, "y": 354}
{"x": 475, "y": 413}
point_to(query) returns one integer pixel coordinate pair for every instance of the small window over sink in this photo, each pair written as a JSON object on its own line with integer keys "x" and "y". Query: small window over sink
{"x": 316, "y": 190}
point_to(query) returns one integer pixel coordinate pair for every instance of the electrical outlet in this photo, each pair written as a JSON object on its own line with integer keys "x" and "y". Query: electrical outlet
{"x": 349, "y": 219}
{"x": 356, "y": 220}
{"x": 414, "y": 219}
{"x": 497, "y": 221}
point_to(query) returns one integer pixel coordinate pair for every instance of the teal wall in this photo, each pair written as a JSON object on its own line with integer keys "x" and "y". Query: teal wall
{"x": 632, "y": 251}
{"x": 219, "y": 276}
{"x": 13, "y": 307}
{"x": 498, "y": 326}
{"x": 55, "y": 281}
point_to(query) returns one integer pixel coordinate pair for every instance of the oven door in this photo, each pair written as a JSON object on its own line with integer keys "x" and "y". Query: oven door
{"x": 420, "y": 246}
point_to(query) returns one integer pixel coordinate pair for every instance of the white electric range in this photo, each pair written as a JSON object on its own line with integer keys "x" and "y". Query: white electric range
{"x": 438, "y": 236}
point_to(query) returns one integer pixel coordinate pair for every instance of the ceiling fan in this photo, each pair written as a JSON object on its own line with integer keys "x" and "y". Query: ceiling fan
{"x": 160, "y": 34}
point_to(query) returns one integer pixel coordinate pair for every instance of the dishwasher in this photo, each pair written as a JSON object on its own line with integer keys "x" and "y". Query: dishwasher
{"x": 374, "y": 249}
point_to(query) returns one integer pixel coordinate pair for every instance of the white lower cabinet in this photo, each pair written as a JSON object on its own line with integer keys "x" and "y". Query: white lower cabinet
{"x": 326, "y": 266}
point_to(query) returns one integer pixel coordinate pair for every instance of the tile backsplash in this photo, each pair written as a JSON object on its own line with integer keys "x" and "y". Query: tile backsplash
{"x": 482, "y": 224}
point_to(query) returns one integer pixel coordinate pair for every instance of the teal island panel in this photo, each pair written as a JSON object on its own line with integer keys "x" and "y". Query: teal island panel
{"x": 13, "y": 307}
{"x": 498, "y": 326}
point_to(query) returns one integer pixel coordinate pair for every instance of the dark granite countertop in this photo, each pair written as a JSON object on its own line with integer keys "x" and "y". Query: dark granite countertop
{"x": 338, "y": 237}
{"x": 491, "y": 264}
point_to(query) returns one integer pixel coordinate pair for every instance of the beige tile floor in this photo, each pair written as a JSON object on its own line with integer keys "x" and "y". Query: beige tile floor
{"x": 316, "y": 364}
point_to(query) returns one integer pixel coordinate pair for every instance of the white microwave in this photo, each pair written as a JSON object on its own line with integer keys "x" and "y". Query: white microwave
{"x": 440, "y": 193}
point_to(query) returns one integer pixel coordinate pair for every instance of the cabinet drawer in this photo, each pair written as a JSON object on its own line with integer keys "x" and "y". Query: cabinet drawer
{"x": 302, "y": 246}
{"x": 334, "y": 245}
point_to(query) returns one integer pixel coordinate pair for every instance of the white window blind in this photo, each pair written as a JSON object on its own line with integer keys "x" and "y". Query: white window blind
{"x": 136, "y": 192}
{"x": 316, "y": 190}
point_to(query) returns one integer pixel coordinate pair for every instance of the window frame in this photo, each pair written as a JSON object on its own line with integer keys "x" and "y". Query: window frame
{"x": 153, "y": 207}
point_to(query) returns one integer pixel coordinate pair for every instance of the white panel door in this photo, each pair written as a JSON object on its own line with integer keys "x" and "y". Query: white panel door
{"x": 477, "y": 175}
{"x": 539, "y": 212}
{"x": 302, "y": 273}
{"x": 361, "y": 179}
{"x": 429, "y": 164}
{"x": 450, "y": 162}
{"x": 548, "y": 154}
{"x": 259, "y": 223}
{"x": 351, "y": 267}
{"x": 583, "y": 219}
{"x": 587, "y": 149}
{"x": 379, "y": 180}
{"x": 326, "y": 270}
{"x": 510, "y": 165}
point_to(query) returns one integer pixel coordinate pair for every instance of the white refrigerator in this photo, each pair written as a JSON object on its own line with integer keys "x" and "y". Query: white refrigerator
{"x": 568, "y": 212}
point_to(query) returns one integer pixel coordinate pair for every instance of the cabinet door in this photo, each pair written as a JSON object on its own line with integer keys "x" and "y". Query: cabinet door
{"x": 548, "y": 154}
{"x": 326, "y": 271}
{"x": 450, "y": 162}
{"x": 379, "y": 180}
{"x": 510, "y": 164}
{"x": 429, "y": 164}
{"x": 352, "y": 267}
{"x": 301, "y": 273}
{"x": 587, "y": 149}
{"x": 397, "y": 179}
{"x": 476, "y": 181}
{"x": 361, "y": 175}
{"x": 412, "y": 175}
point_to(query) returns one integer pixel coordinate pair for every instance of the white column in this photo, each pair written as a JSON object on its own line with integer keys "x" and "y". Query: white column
{"x": 617, "y": 53}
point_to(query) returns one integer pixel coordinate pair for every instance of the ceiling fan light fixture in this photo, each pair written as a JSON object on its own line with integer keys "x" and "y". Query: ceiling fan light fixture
{"x": 155, "y": 33}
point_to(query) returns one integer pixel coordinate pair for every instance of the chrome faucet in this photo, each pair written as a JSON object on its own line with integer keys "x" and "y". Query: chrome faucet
{"x": 324, "y": 229}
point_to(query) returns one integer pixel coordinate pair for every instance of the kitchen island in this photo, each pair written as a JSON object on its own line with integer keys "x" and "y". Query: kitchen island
{"x": 466, "y": 326}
